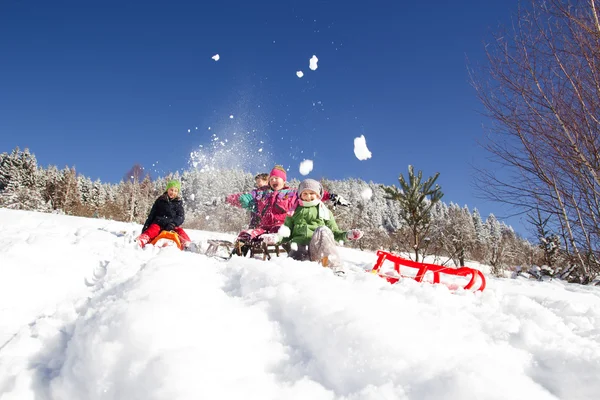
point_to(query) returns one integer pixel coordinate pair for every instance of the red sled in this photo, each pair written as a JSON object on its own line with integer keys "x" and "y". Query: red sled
{"x": 476, "y": 282}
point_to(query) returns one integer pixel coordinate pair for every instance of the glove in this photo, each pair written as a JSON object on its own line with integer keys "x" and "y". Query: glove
{"x": 354, "y": 234}
{"x": 170, "y": 227}
{"x": 338, "y": 200}
{"x": 270, "y": 238}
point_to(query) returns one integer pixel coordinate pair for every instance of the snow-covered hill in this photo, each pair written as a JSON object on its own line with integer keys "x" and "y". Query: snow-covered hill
{"x": 84, "y": 314}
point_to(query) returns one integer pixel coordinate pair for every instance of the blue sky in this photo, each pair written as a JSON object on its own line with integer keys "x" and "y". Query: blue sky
{"x": 101, "y": 85}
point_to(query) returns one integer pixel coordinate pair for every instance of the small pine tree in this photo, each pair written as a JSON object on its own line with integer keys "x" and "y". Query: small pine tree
{"x": 549, "y": 243}
{"x": 416, "y": 199}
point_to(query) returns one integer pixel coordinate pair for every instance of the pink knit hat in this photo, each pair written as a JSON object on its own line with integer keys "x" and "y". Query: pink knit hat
{"x": 279, "y": 172}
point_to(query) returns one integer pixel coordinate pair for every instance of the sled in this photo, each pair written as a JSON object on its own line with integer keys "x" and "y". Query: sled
{"x": 167, "y": 238}
{"x": 257, "y": 246}
{"x": 475, "y": 283}
{"x": 215, "y": 245}
{"x": 245, "y": 248}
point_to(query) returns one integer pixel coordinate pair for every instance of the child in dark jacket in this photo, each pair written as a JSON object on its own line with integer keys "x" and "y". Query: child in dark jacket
{"x": 312, "y": 229}
{"x": 166, "y": 215}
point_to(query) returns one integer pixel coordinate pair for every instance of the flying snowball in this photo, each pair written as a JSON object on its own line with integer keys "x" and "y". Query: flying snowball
{"x": 313, "y": 62}
{"x": 299, "y": 74}
{"x": 360, "y": 148}
{"x": 216, "y": 57}
{"x": 366, "y": 194}
{"x": 306, "y": 166}
{"x": 231, "y": 117}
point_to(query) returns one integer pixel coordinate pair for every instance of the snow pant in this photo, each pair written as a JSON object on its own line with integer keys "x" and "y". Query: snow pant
{"x": 154, "y": 229}
{"x": 322, "y": 244}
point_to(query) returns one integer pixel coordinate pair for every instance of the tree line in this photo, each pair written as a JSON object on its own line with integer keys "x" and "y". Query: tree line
{"x": 410, "y": 218}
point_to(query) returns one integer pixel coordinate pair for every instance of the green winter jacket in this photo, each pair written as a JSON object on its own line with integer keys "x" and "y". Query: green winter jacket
{"x": 305, "y": 221}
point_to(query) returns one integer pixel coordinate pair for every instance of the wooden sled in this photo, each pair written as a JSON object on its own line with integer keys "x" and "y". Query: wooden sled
{"x": 246, "y": 248}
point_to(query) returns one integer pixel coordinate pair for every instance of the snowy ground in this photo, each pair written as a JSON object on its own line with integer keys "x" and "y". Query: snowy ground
{"x": 84, "y": 314}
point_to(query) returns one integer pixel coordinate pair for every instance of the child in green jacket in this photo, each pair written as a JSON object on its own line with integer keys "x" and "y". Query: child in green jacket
{"x": 312, "y": 229}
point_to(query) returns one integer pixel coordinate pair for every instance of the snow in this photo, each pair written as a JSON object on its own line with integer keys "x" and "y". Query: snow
{"x": 366, "y": 194}
{"x": 216, "y": 57}
{"x": 360, "y": 148}
{"x": 313, "y": 63}
{"x": 306, "y": 166}
{"x": 85, "y": 314}
{"x": 299, "y": 74}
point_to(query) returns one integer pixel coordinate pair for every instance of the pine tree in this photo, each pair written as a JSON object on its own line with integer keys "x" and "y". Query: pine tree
{"x": 20, "y": 182}
{"x": 416, "y": 199}
{"x": 549, "y": 242}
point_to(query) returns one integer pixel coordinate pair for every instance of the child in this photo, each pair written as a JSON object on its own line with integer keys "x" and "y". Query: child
{"x": 260, "y": 181}
{"x": 313, "y": 229}
{"x": 166, "y": 214}
{"x": 272, "y": 203}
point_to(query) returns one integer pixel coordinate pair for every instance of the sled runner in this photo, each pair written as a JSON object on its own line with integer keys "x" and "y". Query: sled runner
{"x": 476, "y": 282}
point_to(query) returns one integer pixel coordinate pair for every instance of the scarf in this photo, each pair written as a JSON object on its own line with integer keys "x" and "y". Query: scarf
{"x": 323, "y": 210}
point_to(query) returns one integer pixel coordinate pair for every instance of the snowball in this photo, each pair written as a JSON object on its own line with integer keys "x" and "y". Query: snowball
{"x": 360, "y": 148}
{"x": 366, "y": 194}
{"x": 231, "y": 116}
{"x": 313, "y": 62}
{"x": 306, "y": 166}
{"x": 216, "y": 57}
{"x": 299, "y": 74}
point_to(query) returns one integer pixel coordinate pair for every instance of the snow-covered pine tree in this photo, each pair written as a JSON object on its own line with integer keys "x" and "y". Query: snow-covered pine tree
{"x": 455, "y": 233}
{"x": 20, "y": 182}
{"x": 494, "y": 245}
{"x": 549, "y": 242}
{"x": 98, "y": 196}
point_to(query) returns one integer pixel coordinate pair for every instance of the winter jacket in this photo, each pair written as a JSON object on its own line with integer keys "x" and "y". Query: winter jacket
{"x": 269, "y": 207}
{"x": 165, "y": 211}
{"x": 305, "y": 221}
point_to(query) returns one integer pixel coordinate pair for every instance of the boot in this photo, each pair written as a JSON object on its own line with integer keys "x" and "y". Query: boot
{"x": 142, "y": 240}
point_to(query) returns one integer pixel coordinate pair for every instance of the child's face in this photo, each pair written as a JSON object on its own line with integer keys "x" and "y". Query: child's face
{"x": 309, "y": 195}
{"x": 276, "y": 182}
{"x": 261, "y": 182}
{"x": 172, "y": 192}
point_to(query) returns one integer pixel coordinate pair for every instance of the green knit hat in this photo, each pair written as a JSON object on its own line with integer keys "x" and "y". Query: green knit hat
{"x": 173, "y": 183}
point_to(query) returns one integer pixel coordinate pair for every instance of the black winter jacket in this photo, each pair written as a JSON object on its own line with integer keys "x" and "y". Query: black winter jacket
{"x": 164, "y": 212}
